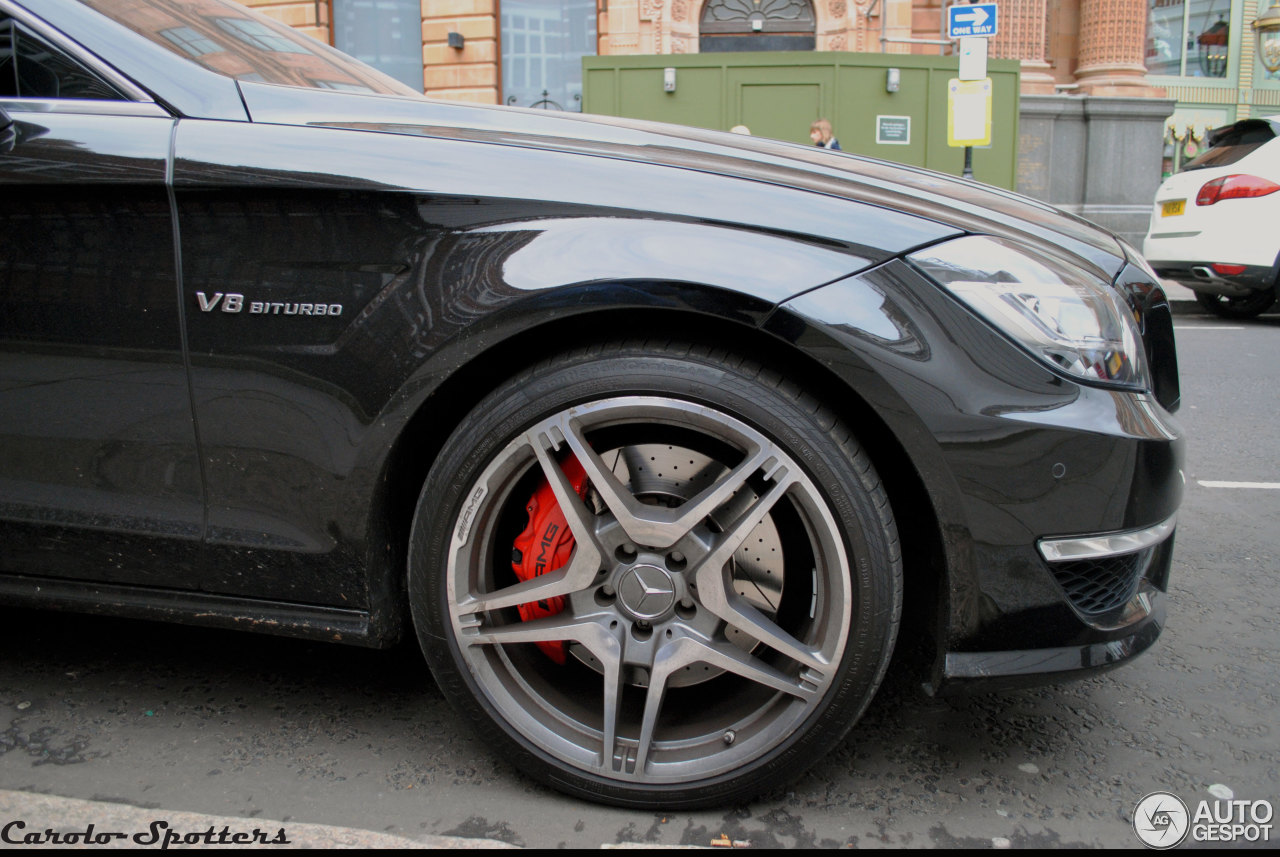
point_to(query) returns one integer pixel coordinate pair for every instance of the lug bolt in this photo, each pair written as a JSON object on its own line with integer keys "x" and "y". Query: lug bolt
{"x": 729, "y": 736}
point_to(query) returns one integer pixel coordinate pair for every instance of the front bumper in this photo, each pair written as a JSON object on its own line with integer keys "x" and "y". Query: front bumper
{"x": 1124, "y": 628}
{"x": 968, "y": 672}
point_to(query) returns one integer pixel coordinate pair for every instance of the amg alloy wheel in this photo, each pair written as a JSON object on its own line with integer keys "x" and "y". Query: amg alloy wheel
{"x": 717, "y": 624}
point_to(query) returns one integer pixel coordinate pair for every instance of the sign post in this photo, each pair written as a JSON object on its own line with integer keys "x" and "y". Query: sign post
{"x": 969, "y": 94}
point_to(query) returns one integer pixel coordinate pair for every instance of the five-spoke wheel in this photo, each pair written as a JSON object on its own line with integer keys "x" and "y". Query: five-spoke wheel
{"x": 729, "y": 600}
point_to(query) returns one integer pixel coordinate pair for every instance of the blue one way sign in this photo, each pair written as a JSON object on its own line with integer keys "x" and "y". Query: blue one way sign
{"x": 978, "y": 19}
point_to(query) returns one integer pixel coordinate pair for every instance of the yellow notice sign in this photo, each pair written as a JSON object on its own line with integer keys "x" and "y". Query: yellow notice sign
{"x": 969, "y": 112}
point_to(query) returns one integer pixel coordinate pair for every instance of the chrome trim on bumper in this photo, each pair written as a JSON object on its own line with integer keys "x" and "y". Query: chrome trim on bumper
{"x": 1097, "y": 547}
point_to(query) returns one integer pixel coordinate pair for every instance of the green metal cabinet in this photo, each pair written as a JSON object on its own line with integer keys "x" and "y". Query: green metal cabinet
{"x": 778, "y": 94}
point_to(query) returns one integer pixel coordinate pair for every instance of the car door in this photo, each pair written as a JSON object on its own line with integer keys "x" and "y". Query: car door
{"x": 99, "y": 476}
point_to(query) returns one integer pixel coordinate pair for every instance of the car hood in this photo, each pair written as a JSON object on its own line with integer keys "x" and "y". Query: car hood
{"x": 963, "y": 205}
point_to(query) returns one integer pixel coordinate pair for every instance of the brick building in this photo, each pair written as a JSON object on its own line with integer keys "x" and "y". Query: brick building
{"x": 1202, "y": 53}
{"x": 1095, "y": 46}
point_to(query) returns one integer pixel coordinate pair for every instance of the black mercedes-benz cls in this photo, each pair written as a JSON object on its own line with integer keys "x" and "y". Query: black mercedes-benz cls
{"x": 654, "y": 437}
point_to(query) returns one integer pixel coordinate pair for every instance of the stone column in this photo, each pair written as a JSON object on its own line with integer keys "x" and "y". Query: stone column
{"x": 1023, "y": 36}
{"x": 1052, "y": 143}
{"x": 1113, "y": 37}
{"x": 1124, "y": 148}
{"x": 1120, "y": 141}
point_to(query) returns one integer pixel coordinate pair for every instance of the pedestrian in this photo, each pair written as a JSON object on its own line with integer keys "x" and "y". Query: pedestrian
{"x": 821, "y": 135}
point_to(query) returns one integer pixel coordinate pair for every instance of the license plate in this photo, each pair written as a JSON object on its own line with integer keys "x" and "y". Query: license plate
{"x": 1172, "y": 207}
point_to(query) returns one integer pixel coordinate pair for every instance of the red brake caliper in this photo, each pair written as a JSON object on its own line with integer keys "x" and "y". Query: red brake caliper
{"x": 545, "y": 545}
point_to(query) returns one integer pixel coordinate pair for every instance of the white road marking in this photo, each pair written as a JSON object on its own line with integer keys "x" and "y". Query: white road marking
{"x": 1208, "y": 484}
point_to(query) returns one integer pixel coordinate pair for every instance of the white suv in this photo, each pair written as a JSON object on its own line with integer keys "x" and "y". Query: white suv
{"x": 1215, "y": 226}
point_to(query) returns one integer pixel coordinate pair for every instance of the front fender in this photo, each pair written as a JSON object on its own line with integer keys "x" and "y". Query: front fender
{"x": 576, "y": 251}
{"x": 432, "y": 255}
{"x": 1007, "y": 450}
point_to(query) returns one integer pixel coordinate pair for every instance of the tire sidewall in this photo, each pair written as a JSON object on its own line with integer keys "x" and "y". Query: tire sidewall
{"x": 1246, "y": 307}
{"x": 839, "y": 470}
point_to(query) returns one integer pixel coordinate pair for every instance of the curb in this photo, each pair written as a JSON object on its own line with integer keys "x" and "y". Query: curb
{"x": 117, "y": 825}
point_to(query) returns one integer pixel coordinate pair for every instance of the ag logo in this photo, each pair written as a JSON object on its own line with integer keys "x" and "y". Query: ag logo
{"x": 1161, "y": 820}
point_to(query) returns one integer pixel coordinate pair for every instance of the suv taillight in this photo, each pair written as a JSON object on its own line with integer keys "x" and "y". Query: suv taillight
{"x": 1234, "y": 187}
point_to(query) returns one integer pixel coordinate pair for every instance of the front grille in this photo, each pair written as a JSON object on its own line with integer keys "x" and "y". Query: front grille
{"x": 1100, "y": 585}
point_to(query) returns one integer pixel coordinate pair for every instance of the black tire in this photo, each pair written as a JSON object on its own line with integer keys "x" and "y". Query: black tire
{"x": 736, "y": 715}
{"x": 1246, "y": 306}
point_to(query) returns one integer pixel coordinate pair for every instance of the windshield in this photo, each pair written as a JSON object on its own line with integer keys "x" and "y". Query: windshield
{"x": 234, "y": 41}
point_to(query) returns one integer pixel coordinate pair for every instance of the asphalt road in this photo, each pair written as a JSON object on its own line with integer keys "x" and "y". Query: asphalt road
{"x": 171, "y": 719}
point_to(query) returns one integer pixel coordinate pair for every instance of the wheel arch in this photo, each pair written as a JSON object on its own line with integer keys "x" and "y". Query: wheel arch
{"x": 439, "y": 414}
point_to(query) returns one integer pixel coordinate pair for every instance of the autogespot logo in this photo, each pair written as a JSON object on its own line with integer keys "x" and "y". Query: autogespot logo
{"x": 1161, "y": 820}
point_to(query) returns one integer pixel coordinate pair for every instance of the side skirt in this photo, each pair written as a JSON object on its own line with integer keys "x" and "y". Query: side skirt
{"x": 306, "y": 621}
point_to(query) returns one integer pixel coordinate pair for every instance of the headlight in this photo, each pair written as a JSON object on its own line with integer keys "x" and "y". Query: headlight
{"x": 1067, "y": 317}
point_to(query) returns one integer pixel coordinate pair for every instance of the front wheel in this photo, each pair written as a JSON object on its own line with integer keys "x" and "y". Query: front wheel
{"x": 655, "y": 575}
{"x": 1245, "y": 306}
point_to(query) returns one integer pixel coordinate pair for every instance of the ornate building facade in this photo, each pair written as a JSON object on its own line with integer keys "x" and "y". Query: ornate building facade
{"x": 1090, "y": 46}
{"x": 1201, "y": 52}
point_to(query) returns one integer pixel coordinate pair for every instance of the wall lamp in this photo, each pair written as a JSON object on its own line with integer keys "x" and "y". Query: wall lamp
{"x": 456, "y": 40}
{"x": 1267, "y": 26}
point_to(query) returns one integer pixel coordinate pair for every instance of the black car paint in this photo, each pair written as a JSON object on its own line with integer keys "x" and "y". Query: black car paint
{"x": 891, "y": 187}
{"x": 100, "y": 450}
{"x": 429, "y": 277}
{"x": 458, "y": 240}
{"x": 1009, "y": 451}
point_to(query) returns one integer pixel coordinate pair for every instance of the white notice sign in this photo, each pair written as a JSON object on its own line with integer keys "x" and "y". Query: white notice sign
{"x": 973, "y": 58}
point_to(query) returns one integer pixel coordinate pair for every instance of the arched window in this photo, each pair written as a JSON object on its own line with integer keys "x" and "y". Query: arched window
{"x": 757, "y": 25}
